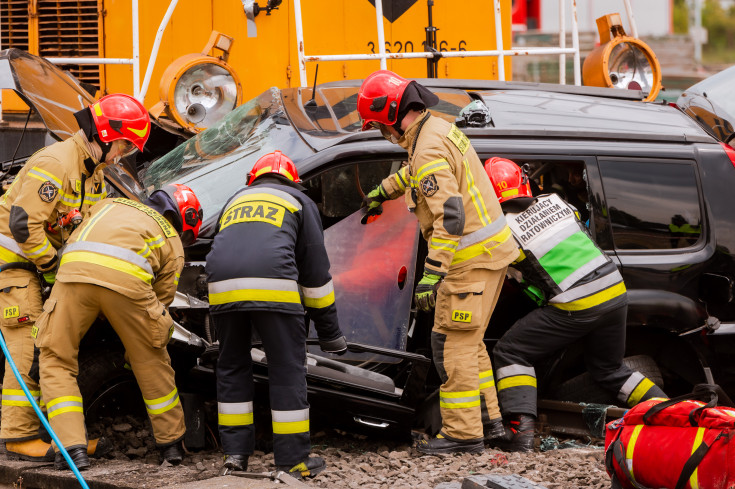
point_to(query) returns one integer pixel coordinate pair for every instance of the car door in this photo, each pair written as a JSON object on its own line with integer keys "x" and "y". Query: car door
{"x": 372, "y": 263}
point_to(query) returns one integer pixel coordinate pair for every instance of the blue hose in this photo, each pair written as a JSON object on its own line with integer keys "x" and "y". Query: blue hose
{"x": 40, "y": 413}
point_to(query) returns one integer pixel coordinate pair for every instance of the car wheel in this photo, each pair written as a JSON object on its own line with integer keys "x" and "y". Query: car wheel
{"x": 583, "y": 389}
{"x": 108, "y": 387}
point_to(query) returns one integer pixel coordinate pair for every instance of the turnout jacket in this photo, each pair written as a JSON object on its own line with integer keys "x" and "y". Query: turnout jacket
{"x": 269, "y": 255}
{"x": 53, "y": 182}
{"x": 558, "y": 257}
{"x": 127, "y": 247}
{"x": 448, "y": 189}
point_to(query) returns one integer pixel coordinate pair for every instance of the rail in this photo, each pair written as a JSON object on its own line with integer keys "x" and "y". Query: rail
{"x": 500, "y": 52}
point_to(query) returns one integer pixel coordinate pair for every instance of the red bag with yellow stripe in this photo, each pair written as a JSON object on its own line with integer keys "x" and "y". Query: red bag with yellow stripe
{"x": 680, "y": 443}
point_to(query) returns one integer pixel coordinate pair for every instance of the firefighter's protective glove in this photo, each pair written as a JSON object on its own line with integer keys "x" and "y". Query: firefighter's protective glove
{"x": 374, "y": 199}
{"x": 337, "y": 346}
{"x": 425, "y": 294}
{"x": 536, "y": 294}
{"x": 49, "y": 277}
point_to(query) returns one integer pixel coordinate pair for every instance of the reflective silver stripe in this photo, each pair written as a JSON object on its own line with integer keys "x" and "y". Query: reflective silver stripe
{"x": 11, "y": 245}
{"x": 45, "y": 176}
{"x": 259, "y": 189}
{"x": 483, "y": 233}
{"x": 290, "y": 416}
{"x": 459, "y": 400}
{"x": 110, "y": 250}
{"x": 582, "y": 271}
{"x": 317, "y": 292}
{"x": 545, "y": 245}
{"x": 588, "y": 288}
{"x": 512, "y": 370}
{"x": 163, "y": 404}
{"x": 61, "y": 405}
{"x": 7, "y": 397}
{"x": 279, "y": 284}
{"x": 235, "y": 407}
{"x": 630, "y": 385}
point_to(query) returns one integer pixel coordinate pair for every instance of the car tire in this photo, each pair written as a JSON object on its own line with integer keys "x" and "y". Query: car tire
{"x": 583, "y": 389}
{"x": 108, "y": 387}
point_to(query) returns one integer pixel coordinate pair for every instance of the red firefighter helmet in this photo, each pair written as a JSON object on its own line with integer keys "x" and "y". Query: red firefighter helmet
{"x": 120, "y": 116}
{"x": 275, "y": 162}
{"x": 379, "y": 98}
{"x": 509, "y": 181}
{"x": 189, "y": 208}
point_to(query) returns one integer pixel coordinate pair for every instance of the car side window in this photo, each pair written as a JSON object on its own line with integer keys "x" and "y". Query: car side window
{"x": 652, "y": 204}
{"x": 339, "y": 191}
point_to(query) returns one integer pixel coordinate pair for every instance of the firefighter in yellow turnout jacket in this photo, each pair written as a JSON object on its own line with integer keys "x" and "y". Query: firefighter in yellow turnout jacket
{"x": 124, "y": 261}
{"x": 469, "y": 249}
{"x": 58, "y": 182}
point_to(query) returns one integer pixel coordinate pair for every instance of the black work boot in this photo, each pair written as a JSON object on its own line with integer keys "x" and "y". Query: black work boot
{"x": 306, "y": 468}
{"x": 99, "y": 447}
{"x": 442, "y": 445}
{"x": 494, "y": 429}
{"x": 78, "y": 455}
{"x": 173, "y": 454}
{"x": 518, "y": 434}
{"x": 236, "y": 462}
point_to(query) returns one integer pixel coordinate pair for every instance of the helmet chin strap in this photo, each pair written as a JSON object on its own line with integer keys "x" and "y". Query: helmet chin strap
{"x": 106, "y": 147}
{"x": 86, "y": 124}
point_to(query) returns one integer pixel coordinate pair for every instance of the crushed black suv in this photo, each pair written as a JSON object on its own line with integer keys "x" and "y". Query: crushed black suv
{"x": 651, "y": 184}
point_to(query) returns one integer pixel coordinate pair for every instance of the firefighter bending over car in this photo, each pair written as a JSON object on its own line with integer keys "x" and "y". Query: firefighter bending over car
{"x": 268, "y": 262}
{"x": 49, "y": 196}
{"x": 469, "y": 249}
{"x": 124, "y": 262}
{"x": 582, "y": 295}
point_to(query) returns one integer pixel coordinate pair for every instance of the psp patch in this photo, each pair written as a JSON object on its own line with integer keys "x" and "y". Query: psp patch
{"x": 48, "y": 191}
{"x": 462, "y": 316}
{"x": 428, "y": 185}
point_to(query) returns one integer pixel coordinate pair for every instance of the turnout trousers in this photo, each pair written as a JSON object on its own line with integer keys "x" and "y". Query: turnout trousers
{"x": 143, "y": 326}
{"x": 467, "y": 396}
{"x": 20, "y": 301}
{"x": 284, "y": 341}
{"x": 547, "y": 330}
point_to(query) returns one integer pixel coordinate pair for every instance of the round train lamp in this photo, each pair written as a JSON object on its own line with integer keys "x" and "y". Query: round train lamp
{"x": 621, "y": 61}
{"x": 197, "y": 90}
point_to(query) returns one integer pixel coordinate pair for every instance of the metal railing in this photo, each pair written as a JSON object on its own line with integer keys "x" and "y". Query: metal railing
{"x": 500, "y": 52}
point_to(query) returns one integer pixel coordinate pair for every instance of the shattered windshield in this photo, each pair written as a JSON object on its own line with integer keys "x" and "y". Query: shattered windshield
{"x": 215, "y": 163}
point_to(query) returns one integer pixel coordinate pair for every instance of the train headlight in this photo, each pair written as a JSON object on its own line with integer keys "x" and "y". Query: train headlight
{"x": 621, "y": 61}
{"x": 197, "y": 89}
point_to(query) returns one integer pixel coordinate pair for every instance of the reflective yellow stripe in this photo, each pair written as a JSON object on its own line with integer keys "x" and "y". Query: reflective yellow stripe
{"x": 155, "y": 242}
{"x": 16, "y": 403}
{"x": 319, "y": 303}
{"x": 486, "y": 379}
{"x": 177, "y": 276}
{"x": 480, "y": 248}
{"x": 290, "y": 427}
{"x": 443, "y": 244}
{"x": 459, "y": 400}
{"x": 592, "y": 300}
{"x": 68, "y": 409}
{"x": 631, "y": 448}
{"x": 694, "y": 480}
{"x": 477, "y": 199}
{"x": 40, "y": 249}
{"x": 56, "y": 406}
{"x": 19, "y": 392}
{"x": 8, "y": 256}
{"x": 235, "y": 419}
{"x": 93, "y": 221}
{"x": 431, "y": 167}
{"x": 639, "y": 391}
{"x": 107, "y": 262}
{"x": 259, "y": 295}
{"x": 39, "y": 174}
{"x": 162, "y": 404}
{"x": 516, "y": 381}
{"x": 263, "y": 197}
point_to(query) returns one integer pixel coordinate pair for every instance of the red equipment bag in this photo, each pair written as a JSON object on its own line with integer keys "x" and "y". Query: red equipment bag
{"x": 680, "y": 443}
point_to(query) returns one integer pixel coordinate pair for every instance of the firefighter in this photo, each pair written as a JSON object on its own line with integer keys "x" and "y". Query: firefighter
{"x": 469, "y": 249}
{"x": 267, "y": 264}
{"x": 581, "y": 294}
{"x": 50, "y": 194}
{"x": 124, "y": 262}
